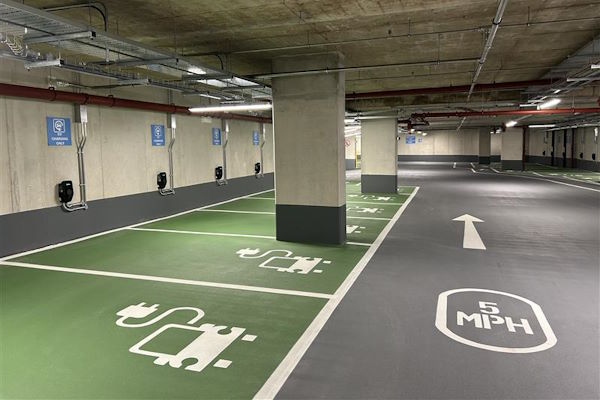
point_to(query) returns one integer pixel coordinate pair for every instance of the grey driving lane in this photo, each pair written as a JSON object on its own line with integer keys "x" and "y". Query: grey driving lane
{"x": 542, "y": 244}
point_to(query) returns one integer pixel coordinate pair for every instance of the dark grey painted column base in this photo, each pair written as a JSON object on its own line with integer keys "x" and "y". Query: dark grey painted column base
{"x": 495, "y": 158}
{"x": 379, "y": 183}
{"x": 484, "y": 160}
{"x": 515, "y": 165}
{"x": 350, "y": 164}
{"x": 311, "y": 224}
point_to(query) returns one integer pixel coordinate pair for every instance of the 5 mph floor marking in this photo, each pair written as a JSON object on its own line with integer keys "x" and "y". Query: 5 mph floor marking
{"x": 285, "y": 368}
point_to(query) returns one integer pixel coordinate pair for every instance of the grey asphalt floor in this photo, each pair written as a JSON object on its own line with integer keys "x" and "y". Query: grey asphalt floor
{"x": 542, "y": 244}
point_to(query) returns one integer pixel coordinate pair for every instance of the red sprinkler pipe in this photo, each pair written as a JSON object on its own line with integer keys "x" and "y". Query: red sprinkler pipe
{"x": 496, "y": 113}
{"x": 482, "y": 87}
{"x": 29, "y": 92}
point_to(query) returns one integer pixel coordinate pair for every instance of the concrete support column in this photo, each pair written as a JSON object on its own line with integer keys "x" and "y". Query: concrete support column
{"x": 379, "y": 159}
{"x": 310, "y": 170}
{"x": 485, "y": 145}
{"x": 512, "y": 149}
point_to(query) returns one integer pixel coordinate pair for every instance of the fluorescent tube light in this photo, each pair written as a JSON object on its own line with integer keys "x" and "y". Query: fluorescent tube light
{"x": 209, "y": 96}
{"x": 595, "y": 66}
{"x": 196, "y": 70}
{"x": 543, "y": 126}
{"x": 548, "y": 104}
{"x": 510, "y": 124}
{"x": 236, "y": 107}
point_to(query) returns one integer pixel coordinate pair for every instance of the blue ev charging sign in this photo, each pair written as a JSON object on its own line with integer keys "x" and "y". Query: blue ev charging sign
{"x": 59, "y": 131}
{"x": 216, "y": 136}
{"x": 157, "y": 132}
{"x": 494, "y": 321}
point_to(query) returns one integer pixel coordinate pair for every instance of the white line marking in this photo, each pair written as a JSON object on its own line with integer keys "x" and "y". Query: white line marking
{"x": 240, "y": 212}
{"x": 168, "y": 280}
{"x": 473, "y": 165}
{"x": 566, "y": 177}
{"x": 285, "y": 368}
{"x": 381, "y": 203}
{"x": 373, "y": 218}
{"x": 547, "y": 180}
{"x": 272, "y": 213}
{"x": 471, "y": 238}
{"x": 347, "y": 202}
{"x": 359, "y": 244}
{"x": 53, "y": 246}
{"x": 202, "y": 233}
{"x": 224, "y": 234}
{"x": 454, "y": 165}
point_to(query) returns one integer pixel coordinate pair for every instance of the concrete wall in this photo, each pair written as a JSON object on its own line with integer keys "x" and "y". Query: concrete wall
{"x": 496, "y": 147}
{"x": 512, "y": 149}
{"x": 540, "y": 141}
{"x": 351, "y": 152}
{"x": 588, "y": 143}
{"x": 442, "y": 145}
{"x": 119, "y": 157}
{"x": 121, "y": 164}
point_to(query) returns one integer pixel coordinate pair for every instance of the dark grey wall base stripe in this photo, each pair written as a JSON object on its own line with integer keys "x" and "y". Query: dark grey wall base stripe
{"x": 37, "y": 228}
{"x": 439, "y": 158}
{"x": 350, "y": 164}
{"x": 484, "y": 160}
{"x": 588, "y": 164}
{"x": 311, "y": 224}
{"x": 495, "y": 158}
{"x": 515, "y": 165}
{"x": 379, "y": 183}
{"x": 539, "y": 160}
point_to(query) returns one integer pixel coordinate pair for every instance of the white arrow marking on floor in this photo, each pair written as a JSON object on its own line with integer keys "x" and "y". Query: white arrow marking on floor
{"x": 471, "y": 239}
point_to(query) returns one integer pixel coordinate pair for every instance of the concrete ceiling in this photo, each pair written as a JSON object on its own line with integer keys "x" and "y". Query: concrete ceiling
{"x": 246, "y": 35}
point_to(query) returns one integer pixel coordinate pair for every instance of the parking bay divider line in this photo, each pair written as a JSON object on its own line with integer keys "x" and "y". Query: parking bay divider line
{"x": 545, "y": 179}
{"x": 224, "y": 234}
{"x": 167, "y": 280}
{"x": 272, "y": 213}
{"x": 347, "y": 202}
{"x": 274, "y": 383}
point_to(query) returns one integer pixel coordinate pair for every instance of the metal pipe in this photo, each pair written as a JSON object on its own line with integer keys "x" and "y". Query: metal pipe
{"x": 262, "y": 144}
{"x": 29, "y": 92}
{"x": 80, "y": 120}
{"x": 89, "y": 4}
{"x": 483, "y": 87}
{"x": 225, "y": 130}
{"x": 172, "y": 125}
{"x": 386, "y": 37}
{"x": 360, "y": 68}
{"x": 93, "y": 5}
{"x": 488, "y": 44}
{"x": 493, "y": 113}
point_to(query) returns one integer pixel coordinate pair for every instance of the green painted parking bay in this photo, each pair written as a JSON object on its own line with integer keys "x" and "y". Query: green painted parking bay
{"x": 355, "y": 207}
{"x": 61, "y": 339}
{"x": 231, "y": 260}
{"x": 358, "y": 229}
{"x": 205, "y": 304}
